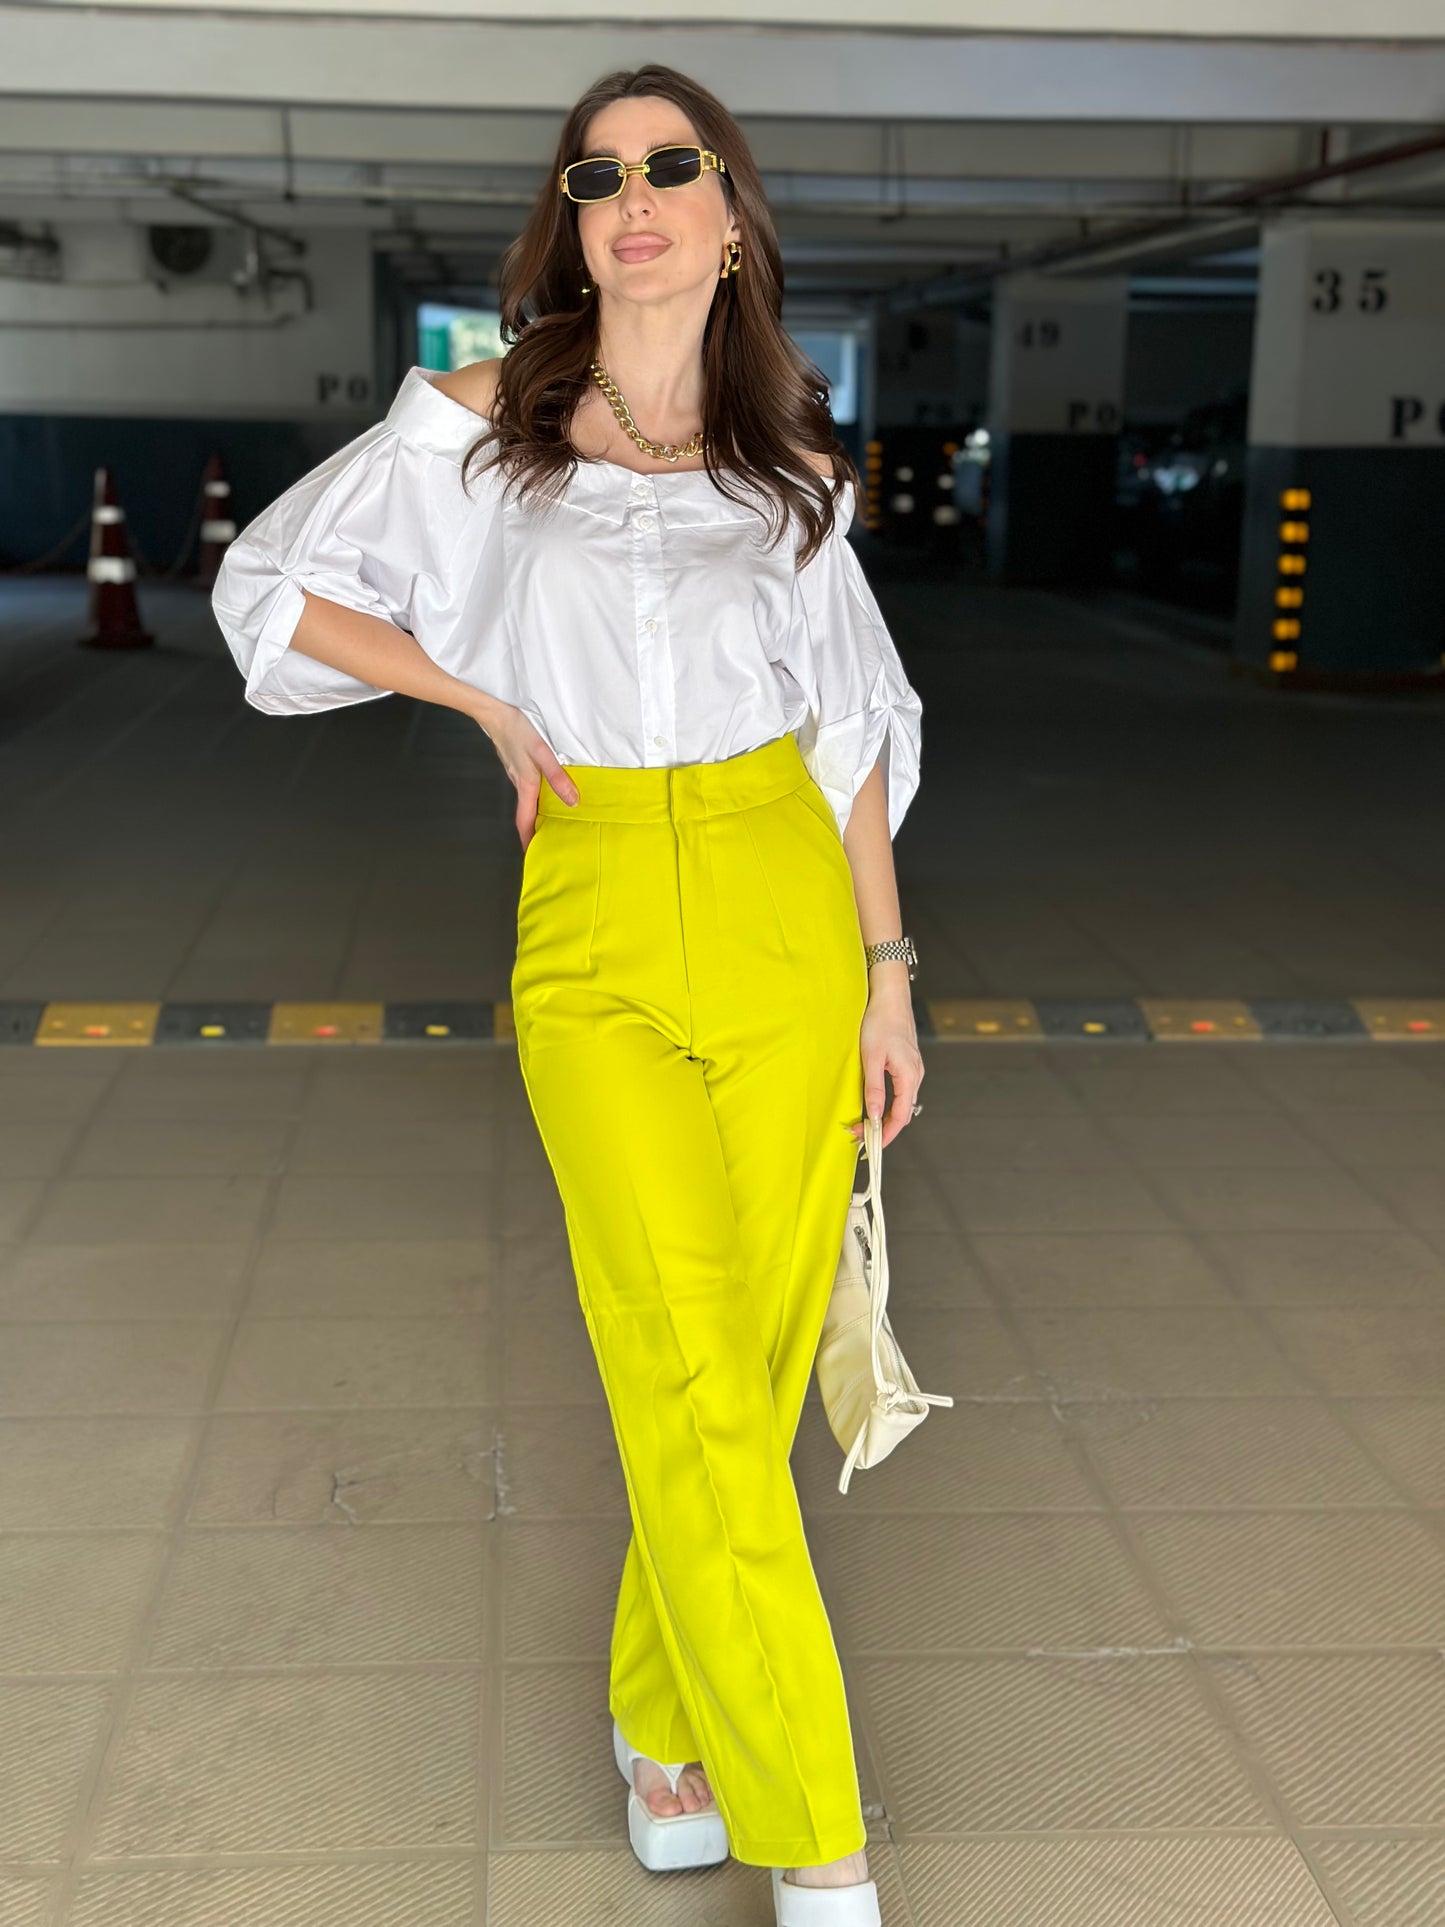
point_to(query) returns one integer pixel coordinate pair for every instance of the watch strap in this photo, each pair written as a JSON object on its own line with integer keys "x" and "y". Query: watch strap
{"x": 901, "y": 948}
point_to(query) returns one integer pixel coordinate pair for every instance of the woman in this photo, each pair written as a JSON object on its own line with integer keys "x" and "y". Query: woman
{"x": 674, "y": 652}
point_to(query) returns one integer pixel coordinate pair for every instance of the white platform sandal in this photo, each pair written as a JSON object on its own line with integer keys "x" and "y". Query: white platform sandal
{"x": 854, "y": 1906}
{"x": 663, "y": 1842}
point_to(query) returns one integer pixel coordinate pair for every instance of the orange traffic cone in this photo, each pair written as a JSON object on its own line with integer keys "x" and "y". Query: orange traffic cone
{"x": 111, "y": 573}
{"x": 218, "y": 529}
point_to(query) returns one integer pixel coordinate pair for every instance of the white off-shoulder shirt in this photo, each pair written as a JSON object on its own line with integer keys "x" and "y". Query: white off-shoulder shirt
{"x": 638, "y": 621}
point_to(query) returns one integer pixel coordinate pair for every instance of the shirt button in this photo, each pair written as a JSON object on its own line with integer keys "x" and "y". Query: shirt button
{"x": 644, "y": 522}
{"x": 659, "y": 740}
{"x": 650, "y": 625}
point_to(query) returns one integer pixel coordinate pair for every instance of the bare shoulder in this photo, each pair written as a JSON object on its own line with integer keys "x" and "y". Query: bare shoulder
{"x": 823, "y": 465}
{"x": 474, "y": 386}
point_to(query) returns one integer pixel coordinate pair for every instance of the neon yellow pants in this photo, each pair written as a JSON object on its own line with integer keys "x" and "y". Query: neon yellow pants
{"x": 687, "y": 996}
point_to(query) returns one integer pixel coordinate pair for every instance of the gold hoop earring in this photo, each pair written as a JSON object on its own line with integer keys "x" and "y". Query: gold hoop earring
{"x": 586, "y": 287}
{"x": 733, "y": 260}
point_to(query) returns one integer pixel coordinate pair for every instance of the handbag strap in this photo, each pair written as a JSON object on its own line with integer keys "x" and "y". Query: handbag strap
{"x": 878, "y": 1270}
{"x": 878, "y": 1243}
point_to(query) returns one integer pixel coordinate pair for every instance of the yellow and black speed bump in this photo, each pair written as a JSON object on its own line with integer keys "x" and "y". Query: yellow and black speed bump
{"x": 1102, "y": 1022}
{"x": 1199, "y": 1020}
{"x": 1403, "y": 1018}
{"x": 129, "y": 1021}
{"x": 1281, "y": 1017}
{"x": 213, "y": 1024}
{"x": 331, "y": 1024}
{"x": 991, "y": 1019}
{"x": 427, "y": 1023}
{"x": 19, "y": 1022}
{"x": 140, "y": 1023}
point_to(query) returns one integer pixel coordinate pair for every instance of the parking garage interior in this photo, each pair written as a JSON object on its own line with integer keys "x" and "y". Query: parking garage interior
{"x": 310, "y": 1515}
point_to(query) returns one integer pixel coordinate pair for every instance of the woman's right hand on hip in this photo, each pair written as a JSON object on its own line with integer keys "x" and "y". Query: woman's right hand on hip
{"x": 528, "y": 760}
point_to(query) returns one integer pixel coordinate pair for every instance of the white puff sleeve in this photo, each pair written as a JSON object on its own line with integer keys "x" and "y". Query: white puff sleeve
{"x": 372, "y": 527}
{"x": 860, "y": 704}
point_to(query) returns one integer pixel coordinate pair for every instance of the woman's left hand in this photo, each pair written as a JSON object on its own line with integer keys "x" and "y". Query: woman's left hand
{"x": 888, "y": 1041}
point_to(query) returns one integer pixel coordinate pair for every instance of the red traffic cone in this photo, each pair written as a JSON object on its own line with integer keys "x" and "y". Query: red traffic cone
{"x": 110, "y": 571}
{"x": 218, "y": 529}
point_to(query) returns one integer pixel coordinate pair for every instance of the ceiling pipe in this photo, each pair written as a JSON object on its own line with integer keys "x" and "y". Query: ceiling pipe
{"x": 1185, "y": 231}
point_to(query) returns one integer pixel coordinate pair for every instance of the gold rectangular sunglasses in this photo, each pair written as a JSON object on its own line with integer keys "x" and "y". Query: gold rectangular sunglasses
{"x": 602, "y": 178}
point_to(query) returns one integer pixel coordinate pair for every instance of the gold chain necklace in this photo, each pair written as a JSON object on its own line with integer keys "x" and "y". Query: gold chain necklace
{"x": 660, "y": 451}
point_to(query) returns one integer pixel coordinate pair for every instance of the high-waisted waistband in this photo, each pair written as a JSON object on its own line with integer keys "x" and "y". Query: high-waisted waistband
{"x": 609, "y": 793}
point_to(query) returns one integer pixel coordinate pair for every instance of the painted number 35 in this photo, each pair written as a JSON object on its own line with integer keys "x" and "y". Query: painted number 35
{"x": 1370, "y": 294}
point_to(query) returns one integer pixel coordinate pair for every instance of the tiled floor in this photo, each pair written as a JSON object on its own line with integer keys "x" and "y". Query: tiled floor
{"x": 310, "y": 1516}
{"x": 1101, "y": 816}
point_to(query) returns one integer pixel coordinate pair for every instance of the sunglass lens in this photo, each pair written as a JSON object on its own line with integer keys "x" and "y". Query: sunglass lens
{"x": 674, "y": 166}
{"x": 594, "y": 180}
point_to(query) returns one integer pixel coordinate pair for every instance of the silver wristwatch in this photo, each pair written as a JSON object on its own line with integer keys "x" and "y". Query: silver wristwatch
{"x": 900, "y": 947}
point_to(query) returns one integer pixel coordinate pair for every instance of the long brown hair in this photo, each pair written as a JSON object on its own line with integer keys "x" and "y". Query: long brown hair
{"x": 764, "y": 399}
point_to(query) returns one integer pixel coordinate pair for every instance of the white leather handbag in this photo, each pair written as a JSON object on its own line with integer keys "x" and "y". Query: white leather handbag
{"x": 871, "y": 1397}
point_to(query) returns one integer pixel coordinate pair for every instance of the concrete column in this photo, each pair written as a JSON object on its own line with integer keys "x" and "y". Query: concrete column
{"x": 1056, "y": 401}
{"x": 1342, "y": 571}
